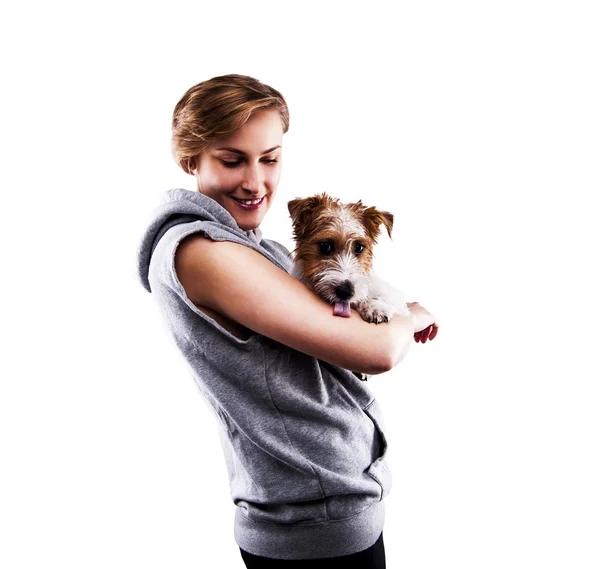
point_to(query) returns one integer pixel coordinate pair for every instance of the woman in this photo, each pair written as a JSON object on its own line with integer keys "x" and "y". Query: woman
{"x": 301, "y": 433}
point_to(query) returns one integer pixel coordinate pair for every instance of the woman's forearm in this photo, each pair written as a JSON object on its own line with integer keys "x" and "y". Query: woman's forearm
{"x": 400, "y": 331}
{"x": 377, "y": 348}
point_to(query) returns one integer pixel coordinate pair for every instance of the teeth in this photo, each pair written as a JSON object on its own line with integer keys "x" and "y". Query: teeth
{"x": 248, "y": 202}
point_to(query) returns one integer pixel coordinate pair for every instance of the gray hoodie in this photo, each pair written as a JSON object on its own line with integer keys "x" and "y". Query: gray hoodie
{"x": 302, "y": 438}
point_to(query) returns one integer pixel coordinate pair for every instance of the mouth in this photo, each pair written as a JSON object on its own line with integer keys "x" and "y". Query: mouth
{"x": 249, "y": 204}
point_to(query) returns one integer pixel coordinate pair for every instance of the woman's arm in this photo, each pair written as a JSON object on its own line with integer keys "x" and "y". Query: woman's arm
{"x": 243, "y": 285}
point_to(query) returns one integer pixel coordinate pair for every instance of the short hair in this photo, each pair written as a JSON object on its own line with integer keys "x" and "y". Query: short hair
{"x": 217, "y": 107}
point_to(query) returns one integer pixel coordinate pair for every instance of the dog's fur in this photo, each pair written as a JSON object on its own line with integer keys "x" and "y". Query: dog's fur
{"x": 334, "y": 255}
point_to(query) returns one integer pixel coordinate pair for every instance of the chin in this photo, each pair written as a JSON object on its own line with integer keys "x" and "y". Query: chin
{"x": 248, "y": 226}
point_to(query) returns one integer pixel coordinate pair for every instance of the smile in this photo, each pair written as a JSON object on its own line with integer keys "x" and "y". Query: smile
{"x": 249, "y": 204}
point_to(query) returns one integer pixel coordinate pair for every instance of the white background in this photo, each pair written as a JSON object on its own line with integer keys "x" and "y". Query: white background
{"x": 476, "y": 123}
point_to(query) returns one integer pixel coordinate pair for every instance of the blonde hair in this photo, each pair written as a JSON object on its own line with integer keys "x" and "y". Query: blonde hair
{"x": 217, "y": 107}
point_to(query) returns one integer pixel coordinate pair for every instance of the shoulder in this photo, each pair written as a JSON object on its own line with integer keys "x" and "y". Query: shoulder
{"x": 207, "y": 268}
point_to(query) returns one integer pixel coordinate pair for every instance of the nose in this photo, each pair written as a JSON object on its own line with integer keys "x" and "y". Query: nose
{"x": 252, "y": 180}
{"x": 345, "y": 290}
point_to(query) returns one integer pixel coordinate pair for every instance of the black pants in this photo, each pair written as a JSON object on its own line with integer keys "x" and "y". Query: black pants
{"x": 372, "y": 558}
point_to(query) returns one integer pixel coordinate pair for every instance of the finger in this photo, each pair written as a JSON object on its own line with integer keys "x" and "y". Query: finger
{"x": 425, "y": 334}
{"x": 430, "y": 332}
{"x": 429, "y": 328}
{"x": 434, "y": 332}
{"x": 417, "y": 337}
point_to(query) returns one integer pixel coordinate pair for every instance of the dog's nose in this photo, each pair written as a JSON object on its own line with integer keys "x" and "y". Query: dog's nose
{"x": 345, "y": 290}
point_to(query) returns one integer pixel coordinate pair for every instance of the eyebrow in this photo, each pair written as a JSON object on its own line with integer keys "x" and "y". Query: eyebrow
{"x": 236, "y": 151}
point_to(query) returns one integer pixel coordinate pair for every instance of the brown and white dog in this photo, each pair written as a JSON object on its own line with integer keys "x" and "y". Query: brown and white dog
{"x": 334, "y": 256}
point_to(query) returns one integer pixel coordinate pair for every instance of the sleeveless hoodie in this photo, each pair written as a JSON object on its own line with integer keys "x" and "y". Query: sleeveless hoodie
{"x": 302, "y": 438}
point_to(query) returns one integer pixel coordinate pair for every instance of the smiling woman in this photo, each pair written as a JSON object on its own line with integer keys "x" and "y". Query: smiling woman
{"x": 227, "y": 132}
{"x": 238, "y": 173}
{"x": 301, "y": 432}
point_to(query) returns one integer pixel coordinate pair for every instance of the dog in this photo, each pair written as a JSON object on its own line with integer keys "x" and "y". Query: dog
{"x": 334, "y": 256}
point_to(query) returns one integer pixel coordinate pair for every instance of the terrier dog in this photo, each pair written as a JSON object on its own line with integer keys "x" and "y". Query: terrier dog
{"x": 334, "y": 256}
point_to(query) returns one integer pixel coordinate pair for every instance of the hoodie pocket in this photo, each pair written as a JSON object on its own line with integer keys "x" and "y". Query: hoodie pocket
{"x": 379, "y": 470}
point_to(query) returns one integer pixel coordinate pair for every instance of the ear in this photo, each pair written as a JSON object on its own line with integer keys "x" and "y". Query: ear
{"x": 190, "y": 166}
{"x": 301, "y": 209}
{"x": 373, "y": 218}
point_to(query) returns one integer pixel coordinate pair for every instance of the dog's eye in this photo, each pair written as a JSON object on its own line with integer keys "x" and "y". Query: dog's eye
{"x": 359, "y": 248}
{"x": 326, "y": 247}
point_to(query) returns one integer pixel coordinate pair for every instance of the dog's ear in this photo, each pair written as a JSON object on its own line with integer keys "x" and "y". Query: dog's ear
{"x": 301, "y": 210}
{"x": 373, "y": 218}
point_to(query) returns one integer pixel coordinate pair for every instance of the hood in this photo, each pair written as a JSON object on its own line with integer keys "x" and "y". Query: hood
{"x": 184, "y": 206}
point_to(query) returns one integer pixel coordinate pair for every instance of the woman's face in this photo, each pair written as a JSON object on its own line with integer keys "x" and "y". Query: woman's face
{"x": 243, "y": 165}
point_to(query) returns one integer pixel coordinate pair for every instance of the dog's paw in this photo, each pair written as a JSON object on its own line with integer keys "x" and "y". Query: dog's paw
{"x": 375, "y": 310}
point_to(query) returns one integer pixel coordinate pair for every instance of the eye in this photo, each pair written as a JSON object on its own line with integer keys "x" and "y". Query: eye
{"x": 326, "y": 247}
{"x": 231, "y": 163}
{"x": 359, "y": 248}
{"x": 272, "y": 161}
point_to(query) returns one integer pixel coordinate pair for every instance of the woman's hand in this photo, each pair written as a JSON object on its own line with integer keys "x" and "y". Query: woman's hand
{"x": 426, "y": 325}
